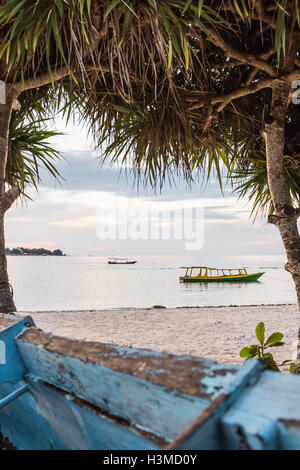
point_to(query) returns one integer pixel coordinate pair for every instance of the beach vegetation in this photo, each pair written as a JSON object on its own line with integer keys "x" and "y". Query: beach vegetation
{"x": 261, "y": 351}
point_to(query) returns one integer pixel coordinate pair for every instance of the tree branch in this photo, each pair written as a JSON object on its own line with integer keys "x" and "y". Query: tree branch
{"x": 42, "y": 79}
{"x": 291, "y": 77}
{"x": 63, "y": 71}
{"x": 242, "y": 57}
{"x": 57, "y": 74}
{"x": 288, "y": 212}
{"x": 250, "y": 78}
{"x": 225, "y": 99}
{"x": 244, "y": 91}
{"x": 7, "y": 199}
{"x": 236, "y": 63}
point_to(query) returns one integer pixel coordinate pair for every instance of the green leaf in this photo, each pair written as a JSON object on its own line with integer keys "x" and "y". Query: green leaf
{"x": 111, "y": 7}
{"x": 186, "y": 53}
{"x": 200, "y": 5}
{"x": 254, "y": 349}
{"x": 275, "y": 345}
{"x": 244, "y": 8}
{"x": 126, "y": 24}
{"x": 292, "y": 368}
{"x": 260, "y": 332}
{"x": 187, "y": 5}
{"x": 298, "y": 12}
{"x": 268, "y": 355}
{"x": 238, "y": 8}
{"x": 247, "y": 352}
{"x": 89, "y": 9}
{"x": 274, "y": 338}
{"x": 268, "y": 361}
{"x": 280, "y": 36}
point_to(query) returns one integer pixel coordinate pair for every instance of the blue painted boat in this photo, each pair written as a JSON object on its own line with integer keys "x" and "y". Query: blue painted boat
{"x": 57, "y": 393}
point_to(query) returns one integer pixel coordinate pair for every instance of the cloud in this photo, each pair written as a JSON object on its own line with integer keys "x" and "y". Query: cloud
{"x": 68, "y": 219}
{"x": 67, "y": 215}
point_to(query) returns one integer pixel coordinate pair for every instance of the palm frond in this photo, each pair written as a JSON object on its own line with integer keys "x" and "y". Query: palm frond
{"x": 30, "y": 150}
{"x": 252, "y": 182}
{"x": 142, "y": 72}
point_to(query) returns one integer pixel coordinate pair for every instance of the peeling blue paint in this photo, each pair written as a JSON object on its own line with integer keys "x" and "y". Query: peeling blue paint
{"x": 76, "y": 402}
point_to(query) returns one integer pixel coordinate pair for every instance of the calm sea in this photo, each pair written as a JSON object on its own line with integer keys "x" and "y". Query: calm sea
{"x": 78, "y": 283}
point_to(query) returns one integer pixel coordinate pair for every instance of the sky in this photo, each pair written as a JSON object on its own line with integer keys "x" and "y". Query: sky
{"x": 83, "y": 215}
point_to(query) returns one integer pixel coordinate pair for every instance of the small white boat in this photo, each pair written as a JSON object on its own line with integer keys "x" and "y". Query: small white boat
{"x": 120, "y": 261}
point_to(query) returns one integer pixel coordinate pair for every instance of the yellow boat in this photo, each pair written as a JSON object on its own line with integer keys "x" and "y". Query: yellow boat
{"x": 205, "y": 274}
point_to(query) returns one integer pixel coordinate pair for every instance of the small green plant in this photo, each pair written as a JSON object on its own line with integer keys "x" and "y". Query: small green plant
{"x": 259, "y": 350}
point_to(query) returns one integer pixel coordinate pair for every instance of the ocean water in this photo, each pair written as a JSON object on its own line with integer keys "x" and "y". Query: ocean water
{"x": 79, "y": 283}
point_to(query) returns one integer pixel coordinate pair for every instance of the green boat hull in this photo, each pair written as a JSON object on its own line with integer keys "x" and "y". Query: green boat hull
{"x": 248, "y": 278}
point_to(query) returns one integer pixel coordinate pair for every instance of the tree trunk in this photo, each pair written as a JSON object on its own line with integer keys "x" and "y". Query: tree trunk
{"x": 6, "y": 199}
{"x": 285, "y": 216}
{"x": 6, "y": 296}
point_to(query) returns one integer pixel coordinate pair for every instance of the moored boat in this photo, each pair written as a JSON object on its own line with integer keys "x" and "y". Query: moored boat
{"x": 205, "y": 274}
{"x": 120, "y": 261}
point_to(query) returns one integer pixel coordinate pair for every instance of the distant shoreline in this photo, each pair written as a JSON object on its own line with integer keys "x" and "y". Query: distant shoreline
{"x": 21, "y": 251}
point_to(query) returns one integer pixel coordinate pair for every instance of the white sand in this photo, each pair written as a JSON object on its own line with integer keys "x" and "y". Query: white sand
{"x": 213, "y": 332}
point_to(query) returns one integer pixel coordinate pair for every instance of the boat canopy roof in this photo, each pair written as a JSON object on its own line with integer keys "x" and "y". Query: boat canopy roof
{"x": 212, "y": 269}
{"x": 218, "y": 270}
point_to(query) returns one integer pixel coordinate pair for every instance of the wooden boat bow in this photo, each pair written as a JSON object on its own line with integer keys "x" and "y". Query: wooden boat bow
{"x": 84, "y": 395}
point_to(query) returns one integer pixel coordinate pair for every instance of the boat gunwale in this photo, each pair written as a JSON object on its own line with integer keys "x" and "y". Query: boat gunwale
{"x": 223, "y": 278}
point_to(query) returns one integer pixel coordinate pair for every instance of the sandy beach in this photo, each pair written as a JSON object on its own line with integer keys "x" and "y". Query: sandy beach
{"x": 213, "y": 332}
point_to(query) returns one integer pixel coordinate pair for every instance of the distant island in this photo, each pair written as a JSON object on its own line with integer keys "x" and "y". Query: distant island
{"x": 32, "y": 252}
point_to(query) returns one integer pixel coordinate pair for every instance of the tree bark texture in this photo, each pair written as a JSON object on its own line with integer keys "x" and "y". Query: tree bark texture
{"x": 6, "y": 200}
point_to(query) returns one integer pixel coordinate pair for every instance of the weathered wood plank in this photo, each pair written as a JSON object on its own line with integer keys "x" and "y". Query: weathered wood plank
{"x": 155, "y": 367}
{"x": 11, "y": 365}
{"x": 46, "y": 419}
{"x": 74, "y": 424}
{"x": 266, "y": 416}
{"x": 204, "y": 432}
{"x": 7, "y": 322}
{"x": 156, "y": 392}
